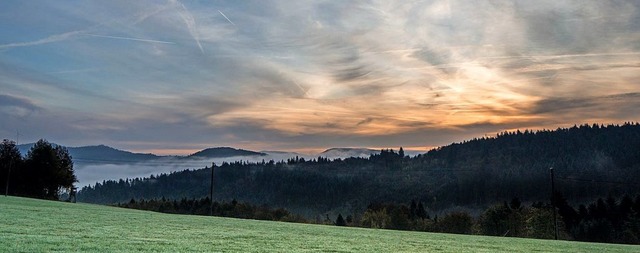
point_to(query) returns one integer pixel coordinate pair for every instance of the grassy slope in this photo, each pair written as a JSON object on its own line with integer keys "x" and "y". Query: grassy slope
{"x": 28, "y": 225}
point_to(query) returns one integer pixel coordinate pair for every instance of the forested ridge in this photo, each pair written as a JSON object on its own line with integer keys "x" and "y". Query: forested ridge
{"x": 590, "y": 162}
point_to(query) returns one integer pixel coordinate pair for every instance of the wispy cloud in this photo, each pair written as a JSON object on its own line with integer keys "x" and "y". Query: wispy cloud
{"x": 299, "y": 74}
{"x": 564, "y": 55}
{"x": 147, "y": 14}
{"x": 15, "y": 101}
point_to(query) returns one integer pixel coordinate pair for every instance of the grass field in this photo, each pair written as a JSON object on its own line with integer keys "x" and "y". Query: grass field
{"x": 28, "y": 225}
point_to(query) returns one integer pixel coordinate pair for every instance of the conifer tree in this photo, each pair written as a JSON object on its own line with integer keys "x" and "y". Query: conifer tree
{"x": 340, "y": 221}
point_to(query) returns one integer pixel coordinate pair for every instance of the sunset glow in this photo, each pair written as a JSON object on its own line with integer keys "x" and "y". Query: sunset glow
{"x": 174, "y": 76}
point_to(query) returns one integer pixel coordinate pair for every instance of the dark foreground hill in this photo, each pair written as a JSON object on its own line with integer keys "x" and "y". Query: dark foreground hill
{"x": 589, "y": 161}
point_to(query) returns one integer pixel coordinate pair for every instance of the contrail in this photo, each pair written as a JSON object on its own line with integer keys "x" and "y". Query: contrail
{"x": 50, "y": 39}
{"x": 129, "y": 38}
{"x": 75, "y": 71}
{"x": 190, "y": 22}
{"x": 225, "y": 16}
{"x": 302, "y": 89}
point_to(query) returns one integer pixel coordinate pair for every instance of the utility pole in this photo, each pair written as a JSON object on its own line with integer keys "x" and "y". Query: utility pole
{"x": 213, "y": 169}
{"x": 6, "y": 190}
{"x": 553, "y": 204}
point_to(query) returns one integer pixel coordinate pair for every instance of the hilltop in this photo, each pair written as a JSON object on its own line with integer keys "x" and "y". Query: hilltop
{"x": 224, "y": 152}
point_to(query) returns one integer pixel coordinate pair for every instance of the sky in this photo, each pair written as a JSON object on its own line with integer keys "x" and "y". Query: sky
{"x": 177, "y": 76}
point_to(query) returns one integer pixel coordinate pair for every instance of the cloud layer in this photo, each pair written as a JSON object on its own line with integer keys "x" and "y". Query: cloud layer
{"x": 305, "y": 75}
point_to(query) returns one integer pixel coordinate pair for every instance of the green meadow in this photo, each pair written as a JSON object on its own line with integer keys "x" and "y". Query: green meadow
{"x": 29, "y": 225}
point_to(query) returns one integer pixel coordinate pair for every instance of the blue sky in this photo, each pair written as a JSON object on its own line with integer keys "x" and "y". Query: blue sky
{"x": 173, "y": 77}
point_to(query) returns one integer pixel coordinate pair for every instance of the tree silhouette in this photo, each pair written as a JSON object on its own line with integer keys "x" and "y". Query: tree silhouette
{"x": 340, "y": 221}
{"x": 47, "y": 171}
{"x": 10, "y": 161}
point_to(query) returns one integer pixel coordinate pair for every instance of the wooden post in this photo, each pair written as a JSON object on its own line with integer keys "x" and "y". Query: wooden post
{"x": 213, "y": 169}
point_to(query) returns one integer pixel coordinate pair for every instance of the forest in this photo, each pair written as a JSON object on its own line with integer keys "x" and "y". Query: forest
{"x": 590, "y": 162}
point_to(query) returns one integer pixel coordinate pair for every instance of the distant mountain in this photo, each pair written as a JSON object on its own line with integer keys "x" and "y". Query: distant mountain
{"x": 224, "y": 152}
{"x": 108, "y": 155}
{"x": 105, "y": 153}
{"x": 348, "y": 152}
{"x": 99, "y": 154}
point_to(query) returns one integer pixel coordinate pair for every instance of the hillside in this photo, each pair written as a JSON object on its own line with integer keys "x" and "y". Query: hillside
{"x": 224, "y": 152}
{"x": 102, "y": 153}
{"x": 590, "y": 162}
{"x": 28, "y": 225}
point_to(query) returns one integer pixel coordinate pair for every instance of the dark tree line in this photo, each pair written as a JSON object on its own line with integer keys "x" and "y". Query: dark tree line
{"x": 44, "y": 173}
{"x": 607, "y": 220}
{"x": 232, "y": 209}
{"x": 604, "y": 220}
